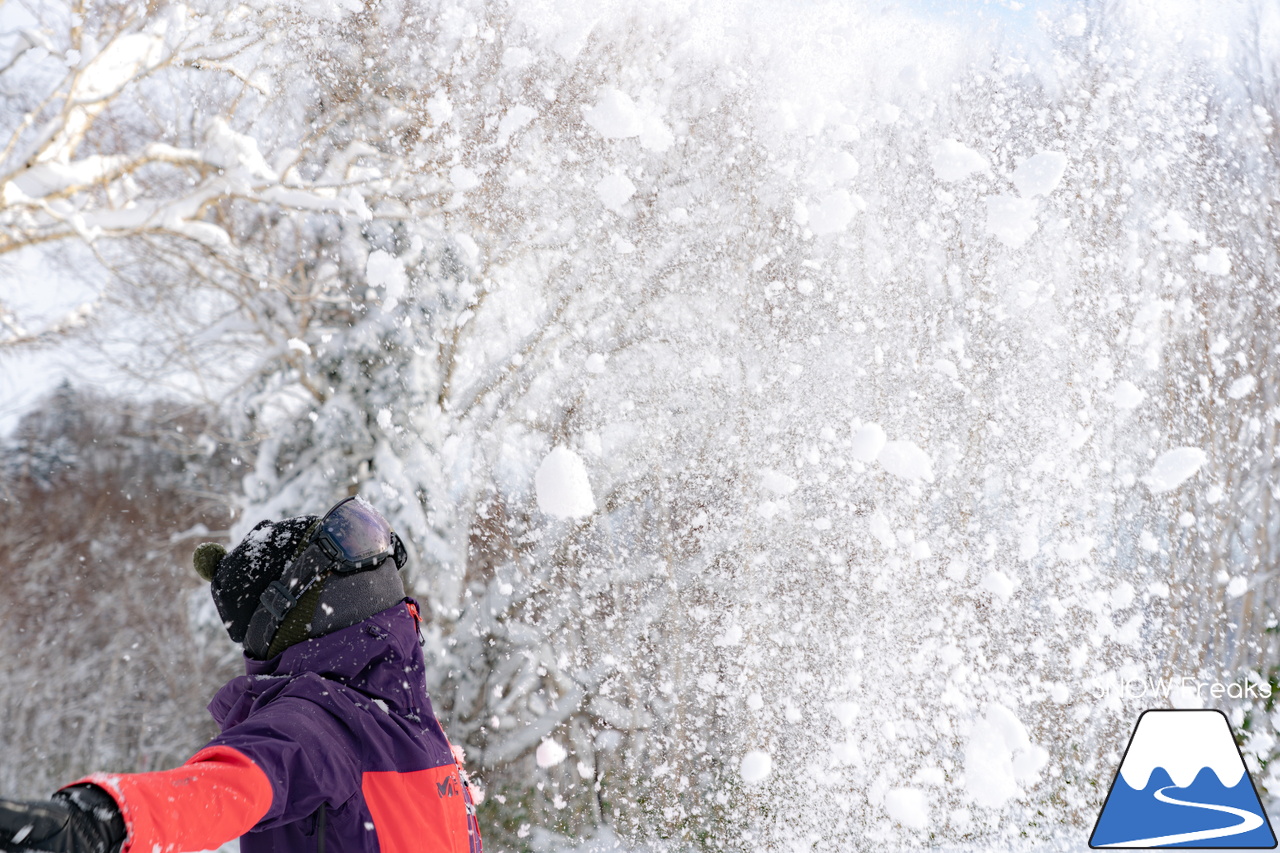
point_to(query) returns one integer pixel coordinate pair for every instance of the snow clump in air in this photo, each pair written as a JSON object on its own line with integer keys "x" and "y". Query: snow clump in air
{"x": 1174, "y": 228}
{"x": 954, "y": 161}
{"x": 908, "y": 807}
{"x": 868, "y": 441}
{"x": 1242, "y": 387}
{"x": 756, "y": 766}
{"x": 1041, "y": 174}
{"x": 879, "y": 527}
{"x": 832, "y": 213}
{"x": 440, "y": 108}
{"x": 386, "y": 271}
{"x": 615, "y": 116}
{"x": 463, "y": 178}
{"x": 1000, "y": 761}
{"x": 906, "y": 460}
{"x": 1174, "y": 467}
{"x": 615, "y": 191}
{"x": 1216, "y": 262}
{"x": 1075, "y": 25}
{"x": 1010, "y": 219}
{"x": 1127, "y": 395}
{"x": 562, "y": 486}
{"x": 550, "y": 753}
{"x": 514, "y": 121}
{"x": 777, "y": 482}
{"x": 999, "y": 584}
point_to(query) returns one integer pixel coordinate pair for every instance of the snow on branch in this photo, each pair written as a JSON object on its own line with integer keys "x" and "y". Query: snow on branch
{"x": 97, "y": 153}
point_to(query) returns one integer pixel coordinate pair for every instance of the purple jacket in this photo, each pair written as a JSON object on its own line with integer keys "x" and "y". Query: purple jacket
{"x": 344, "y": 731}
{"x": 330, "y": 746}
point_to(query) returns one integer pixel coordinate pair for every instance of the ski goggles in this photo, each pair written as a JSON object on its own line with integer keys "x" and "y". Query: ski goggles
{"x": 354, "y": 536}
{"x": 351, "y": 537}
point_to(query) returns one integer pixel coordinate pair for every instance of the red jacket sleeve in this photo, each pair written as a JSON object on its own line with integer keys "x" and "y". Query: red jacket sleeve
{"x": 218, "y": 795}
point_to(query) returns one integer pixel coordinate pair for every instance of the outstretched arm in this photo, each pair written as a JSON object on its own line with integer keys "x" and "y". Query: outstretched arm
{"x": 216, "y": 796}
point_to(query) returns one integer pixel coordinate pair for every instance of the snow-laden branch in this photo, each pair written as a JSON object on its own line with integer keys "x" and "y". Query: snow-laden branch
{"x": 81, "y": 164}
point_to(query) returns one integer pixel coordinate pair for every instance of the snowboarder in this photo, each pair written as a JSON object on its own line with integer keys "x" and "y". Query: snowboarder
{"x": 328, "y": 742}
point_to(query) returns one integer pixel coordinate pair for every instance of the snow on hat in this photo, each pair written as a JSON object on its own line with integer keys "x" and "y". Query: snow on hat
{"x": 239, "y": 578}
{"x": 335, "y": 601}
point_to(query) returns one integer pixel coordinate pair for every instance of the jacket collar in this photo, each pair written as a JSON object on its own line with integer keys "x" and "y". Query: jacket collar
{"x": 350, "y": 656}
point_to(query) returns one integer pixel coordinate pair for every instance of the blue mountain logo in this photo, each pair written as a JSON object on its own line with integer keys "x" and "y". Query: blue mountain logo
{"x": 1183, "y": 783}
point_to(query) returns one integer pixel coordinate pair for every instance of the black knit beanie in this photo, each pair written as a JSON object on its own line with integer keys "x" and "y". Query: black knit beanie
{"x": 239, "y": 578}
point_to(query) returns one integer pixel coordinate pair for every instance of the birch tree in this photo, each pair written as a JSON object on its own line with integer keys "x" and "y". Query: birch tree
{"x": 123, "y": 126}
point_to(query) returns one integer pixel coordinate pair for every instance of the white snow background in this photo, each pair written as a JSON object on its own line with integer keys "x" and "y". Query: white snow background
{"x": 806, "y": 419}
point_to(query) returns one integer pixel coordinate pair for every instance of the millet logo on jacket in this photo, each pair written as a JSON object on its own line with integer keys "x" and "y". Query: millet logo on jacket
{"x": 447, "y": 788}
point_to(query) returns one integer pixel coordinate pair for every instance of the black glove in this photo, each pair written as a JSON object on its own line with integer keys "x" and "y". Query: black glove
{"x": 80, "y": 819}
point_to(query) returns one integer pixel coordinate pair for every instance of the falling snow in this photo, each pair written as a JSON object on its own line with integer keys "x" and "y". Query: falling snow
{"x": 835, "y": 401}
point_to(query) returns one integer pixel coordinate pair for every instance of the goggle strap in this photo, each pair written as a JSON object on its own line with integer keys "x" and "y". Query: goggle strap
{"x": 280, "y": 597}
{"x": 317, "y": 557}
{"x": 400, "y": 553}
{"x": 278, "y": 601}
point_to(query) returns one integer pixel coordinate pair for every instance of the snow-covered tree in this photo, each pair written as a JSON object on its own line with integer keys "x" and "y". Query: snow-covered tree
{"x": 100, "y": 504}
{"x": 121, "y": 131}
{"x": 779, "y": 414}
{"x": 534, "y": 251}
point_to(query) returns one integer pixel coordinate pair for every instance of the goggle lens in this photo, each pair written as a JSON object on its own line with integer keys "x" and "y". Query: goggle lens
{"x": 358, "y": 530}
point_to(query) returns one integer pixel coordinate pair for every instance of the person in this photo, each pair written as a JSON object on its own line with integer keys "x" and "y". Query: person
{"x": 328, "y": 742}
